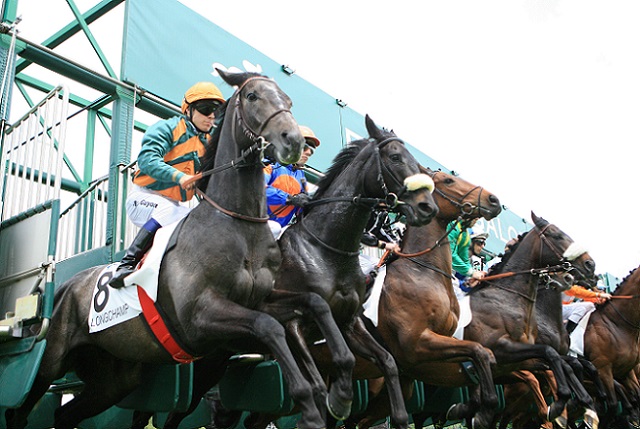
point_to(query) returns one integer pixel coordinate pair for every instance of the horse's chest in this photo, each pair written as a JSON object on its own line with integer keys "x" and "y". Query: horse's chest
{"x": 253, "y": 276}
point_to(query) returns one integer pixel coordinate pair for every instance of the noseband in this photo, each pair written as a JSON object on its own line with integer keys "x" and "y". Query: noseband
{"x": 559, "y": 254}
{"x": 466, "y": 208}
{"x": 247, "y": 130}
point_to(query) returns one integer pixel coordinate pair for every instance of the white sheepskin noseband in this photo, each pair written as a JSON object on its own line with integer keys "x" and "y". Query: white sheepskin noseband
{"x": 574, "y": 251}
{"x": 419, "y": 181}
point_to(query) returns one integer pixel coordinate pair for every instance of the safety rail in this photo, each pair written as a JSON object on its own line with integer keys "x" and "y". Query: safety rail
{"x": 32, "y": 155}
{"x": 83, "y": 224}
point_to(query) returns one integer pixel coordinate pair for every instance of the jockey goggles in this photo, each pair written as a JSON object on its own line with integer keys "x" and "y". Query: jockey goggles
{"x": 206, "y": 107}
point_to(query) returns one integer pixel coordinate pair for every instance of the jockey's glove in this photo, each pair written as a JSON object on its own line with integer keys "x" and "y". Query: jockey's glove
{"x": 298, "y": 200}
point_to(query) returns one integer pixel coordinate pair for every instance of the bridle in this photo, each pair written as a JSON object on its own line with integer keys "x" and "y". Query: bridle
{"x": 559, "y": 253}
{"x": 389, "y": 202}
{"x": 466, "y": 208}
{"x": 255, "y": 151}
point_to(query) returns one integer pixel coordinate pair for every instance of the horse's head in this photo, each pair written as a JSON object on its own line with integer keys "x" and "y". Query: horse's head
{"x": 556, "y": 247}
{"x": 457, "y": 197}
{"x": 262, "y": 115}
{"x": 399, "y": 174}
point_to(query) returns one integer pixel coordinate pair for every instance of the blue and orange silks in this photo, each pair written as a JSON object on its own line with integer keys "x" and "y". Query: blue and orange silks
{"x": 283, "y": 181}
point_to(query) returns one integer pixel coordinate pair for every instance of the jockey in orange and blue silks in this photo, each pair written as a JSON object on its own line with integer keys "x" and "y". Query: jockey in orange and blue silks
{"x": 287, "y": 190}
{"x": 282, "y": 182}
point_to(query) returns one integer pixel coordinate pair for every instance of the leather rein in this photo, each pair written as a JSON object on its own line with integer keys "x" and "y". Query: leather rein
{"x": 256, "y": 150}
{"x": 390, "y": 200}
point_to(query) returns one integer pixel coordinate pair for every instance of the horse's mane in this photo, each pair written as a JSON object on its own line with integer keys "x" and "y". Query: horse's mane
{"x": 623, "y": 287}
{"x": 499, "y": 267}
{"x": 209, "y": 157}
{"x": 340, "y": 163}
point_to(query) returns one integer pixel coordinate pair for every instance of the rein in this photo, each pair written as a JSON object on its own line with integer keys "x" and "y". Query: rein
{"x": 259, "y": 145}
{"x": 390, "y": 200}
{"x": 533, "y": 272}
{"x": 325, "y": 245}
{"x": 635, "y": 326}
{"x": 229, "y": 212}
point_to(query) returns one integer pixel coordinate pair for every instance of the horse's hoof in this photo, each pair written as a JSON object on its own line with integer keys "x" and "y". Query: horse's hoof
{"x": 447, "y": 416}
{"x": 561, "y": 421}
{"x": 339, "y": 410}
{"x": 591, "y": 419}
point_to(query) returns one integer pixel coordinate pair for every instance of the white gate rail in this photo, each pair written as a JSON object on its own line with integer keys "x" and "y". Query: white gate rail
{"x": 32, "y": 155}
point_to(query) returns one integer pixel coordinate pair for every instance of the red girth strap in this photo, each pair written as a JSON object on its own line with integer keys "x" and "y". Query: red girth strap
{"x": 160, "y": 330}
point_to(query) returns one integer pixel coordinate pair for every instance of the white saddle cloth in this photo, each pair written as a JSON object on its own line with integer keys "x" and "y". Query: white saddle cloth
{"x": 110, "y": 306}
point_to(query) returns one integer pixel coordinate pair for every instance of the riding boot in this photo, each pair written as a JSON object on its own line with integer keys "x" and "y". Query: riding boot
{"x": 133, "y": 256}
{"x": 571, "y": 326}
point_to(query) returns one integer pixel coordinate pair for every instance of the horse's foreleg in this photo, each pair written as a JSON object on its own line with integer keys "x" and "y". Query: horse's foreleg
{"x": 363, "y": 344}
{"x": 286, "y": 306}
{"x": 307, "y": 366}
{"x": 433, "y": 347}
{"x": 511, "y": 352}
{"x": 224, "y": 320}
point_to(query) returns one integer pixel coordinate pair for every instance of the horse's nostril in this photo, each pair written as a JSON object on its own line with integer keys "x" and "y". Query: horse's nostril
{"x": 494, "y": 200}
{"x": 428, "y": 209}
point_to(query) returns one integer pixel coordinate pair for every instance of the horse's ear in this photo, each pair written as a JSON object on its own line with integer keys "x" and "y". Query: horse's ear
{"x": 538, "y": 221}
{"x": 372, "y": 129}
{"x": 425, "y": 170}
{"x": 234, "y": 79}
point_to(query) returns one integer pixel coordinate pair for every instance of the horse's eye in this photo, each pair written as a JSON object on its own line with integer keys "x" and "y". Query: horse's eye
{"x": 252, "y": 96}
{"x": 449, "y": 181}
{"x": 395, "y": 157}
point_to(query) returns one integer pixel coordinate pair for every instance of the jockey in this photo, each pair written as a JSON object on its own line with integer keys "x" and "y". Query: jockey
{"x": 381, "y": 234}
{"x": 574, "y": 311}
{"x": 287, "y": 190}
{"x": 169, "y": 156}
{"x": 459, "y": 240}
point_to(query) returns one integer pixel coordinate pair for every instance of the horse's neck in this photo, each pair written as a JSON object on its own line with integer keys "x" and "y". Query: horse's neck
{"x": 628, "y": 308}
{"x": 238, "y": 189}
{"x": 522, "y": 284}
{"x": 340, "y": 224}
{"x": 431, "y": 236}
{"x": 549, "y": 305}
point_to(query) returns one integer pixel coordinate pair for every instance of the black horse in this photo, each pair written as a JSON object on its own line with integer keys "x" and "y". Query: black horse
{"x": 320, "y": 258}
{"x": 215, "y": 284}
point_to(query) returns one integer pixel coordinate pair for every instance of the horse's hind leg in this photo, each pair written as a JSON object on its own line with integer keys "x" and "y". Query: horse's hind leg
{"x": 107, "y": 382}
{"x": 16, "y": 418}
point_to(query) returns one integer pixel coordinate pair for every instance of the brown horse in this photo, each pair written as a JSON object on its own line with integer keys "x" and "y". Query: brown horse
{"x": 418, "y": 310}
{"x": 505, "y": 329}
{"x": 612, "y": 344}
{"x": 550, "y": 330}
{"x": 511, "y": 336}
{"x": 215, "y": 285}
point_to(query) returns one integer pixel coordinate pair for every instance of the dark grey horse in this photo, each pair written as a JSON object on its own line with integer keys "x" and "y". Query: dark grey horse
{"x": 213, "y": 284}
{"x": 320, "y": 258}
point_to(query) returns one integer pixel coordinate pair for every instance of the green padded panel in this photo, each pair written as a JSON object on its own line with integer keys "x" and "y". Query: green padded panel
{"x": 41, "y": 417}
{"x": 113, "y": 418}
{"x": 165, "y": 388}
{"x": 442, "y": 398}
{"x": 19, "y": 371}
{"x": 255, "y": 387}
